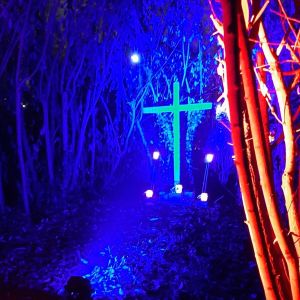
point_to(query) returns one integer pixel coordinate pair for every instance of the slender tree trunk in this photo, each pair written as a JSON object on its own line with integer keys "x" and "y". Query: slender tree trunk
{"x": 144, "y": 141}
{"x": 2, "y": 199}
{"x": 263, "y": 161}
{"x": 44, "y": 95}
{"x": 290, "y": 148}
{"x": 48, "y": 141}
{"x": 65, "y": 121}
{"x": 235, "y": 107}
{"x": 65, "y": 138}
{"x": 9, "y": 51}
{"x": 74, "y": 129}
{"x": 268, "y": 235}
{"x": 263, "y": 104}
{"x": 93, "y": 150}
{"x": 68, "y": 91}
{"x": 19, "y": 125}
{"x": 81, "y": 140}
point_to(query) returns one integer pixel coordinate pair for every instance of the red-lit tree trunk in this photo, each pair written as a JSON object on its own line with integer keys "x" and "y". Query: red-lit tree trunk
{"x": 263, "y": 106}
{"x": 261, "y": 154}
{"x": 277, "y": 259}
{"x": 236, "y": 109}
{"x": 289, "y": 140}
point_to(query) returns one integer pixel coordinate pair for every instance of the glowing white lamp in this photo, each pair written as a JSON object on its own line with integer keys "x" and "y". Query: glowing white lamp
{"x": 149, "y": 193}
{"x": 178, "y": 188}
{"x": 209, "y": 158}
{"x": 155, "y": 155}
{"x": 135, "y": 58}
{"x": 203, "y": 197}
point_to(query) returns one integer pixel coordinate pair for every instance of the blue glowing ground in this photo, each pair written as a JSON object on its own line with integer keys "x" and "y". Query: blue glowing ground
{"x": 132, "y": 248}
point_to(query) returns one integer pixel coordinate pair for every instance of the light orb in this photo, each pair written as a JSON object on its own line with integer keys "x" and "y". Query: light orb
{"x": 149, "y": 193}
{"x": 135, "y": 58}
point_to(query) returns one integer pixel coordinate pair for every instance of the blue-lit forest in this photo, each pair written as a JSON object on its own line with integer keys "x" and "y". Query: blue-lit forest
{"x": 149, "y": 149}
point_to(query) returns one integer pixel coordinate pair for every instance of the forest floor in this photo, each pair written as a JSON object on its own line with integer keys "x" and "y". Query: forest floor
{"x": 130, "y": 248}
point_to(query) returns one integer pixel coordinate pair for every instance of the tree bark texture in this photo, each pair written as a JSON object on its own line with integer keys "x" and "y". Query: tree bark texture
{"x": 290, "y": 149}
{"x": 277, "y": 259}
{"x": 263, "y": 161}
{"x": 235, "y": 108}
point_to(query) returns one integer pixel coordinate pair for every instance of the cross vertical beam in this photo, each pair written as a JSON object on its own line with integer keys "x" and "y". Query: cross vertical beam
{"x": 176, "y": 133}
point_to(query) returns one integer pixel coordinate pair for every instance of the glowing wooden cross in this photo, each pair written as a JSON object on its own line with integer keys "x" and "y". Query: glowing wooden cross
{"x": 176, "y": 108}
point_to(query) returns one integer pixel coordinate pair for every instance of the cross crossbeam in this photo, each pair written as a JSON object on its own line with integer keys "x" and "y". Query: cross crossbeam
{"x": 176, "y": 108}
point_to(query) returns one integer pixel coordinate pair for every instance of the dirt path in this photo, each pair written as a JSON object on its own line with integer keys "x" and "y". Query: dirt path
{"x": 129, "y": 247}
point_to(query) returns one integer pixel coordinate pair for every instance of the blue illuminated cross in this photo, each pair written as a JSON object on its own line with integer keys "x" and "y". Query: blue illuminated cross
{"x": 176, "y": 108}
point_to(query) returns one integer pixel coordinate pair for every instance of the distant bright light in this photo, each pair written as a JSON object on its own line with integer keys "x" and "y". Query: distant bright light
{"x": 24, "y": 105}
{"x": 149, "y": 193}
{"x": 178, "y": 188}
{"x": 203, "y": 197}
{"x": 156, "y": 155}
{"x": 209, "y": 158}
{"x": 135, "y": 58}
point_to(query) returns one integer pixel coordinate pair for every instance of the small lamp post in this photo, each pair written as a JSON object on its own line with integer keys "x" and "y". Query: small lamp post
{"x": 204, "y": 195}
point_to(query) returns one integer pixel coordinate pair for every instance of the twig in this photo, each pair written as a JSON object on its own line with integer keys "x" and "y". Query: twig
{"x": 270, "y": 43}
{"x": 264, "y": 91}
{"x": 262, "y": 10}
{"x": 287, "y": 19}
{"x": 218, "y": 25}
{"x": 281, "y": 15}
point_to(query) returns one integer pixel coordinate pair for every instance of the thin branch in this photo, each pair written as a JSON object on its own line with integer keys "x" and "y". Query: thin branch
{"x": 281, "y": 15}
{"x": 265, "y": 92}
{"x": 293, "y": 54}
{"x": 297, "y": 39}
{"x": 145, "y": 86}
{"x": 287, "y": 19}
{"x": 212, "y": 10}
{"x": 269, "y": 43}
{"x": 262, "y": 10}
{"x": 218, "y": 25}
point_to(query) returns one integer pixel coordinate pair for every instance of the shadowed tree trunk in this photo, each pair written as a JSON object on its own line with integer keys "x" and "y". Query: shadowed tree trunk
{"x": 82, "y": 135}
{"x": 19, "y": 125}
{"x": 93, "y": 147}
{"x": 48, "y": 139}
{"x": 20, "y": 122}
{"x": 25, "y": 71}
{"x": 45, "y": 95}
{"x": 2, "y": 200}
